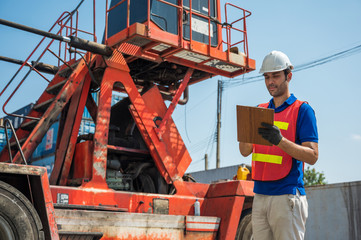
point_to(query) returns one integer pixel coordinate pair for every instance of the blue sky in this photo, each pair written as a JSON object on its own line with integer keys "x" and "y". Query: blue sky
{"x": 304, "y": 30}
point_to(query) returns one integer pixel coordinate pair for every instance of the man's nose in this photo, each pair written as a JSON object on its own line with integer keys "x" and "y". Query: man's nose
{"x": 271, "y": 80}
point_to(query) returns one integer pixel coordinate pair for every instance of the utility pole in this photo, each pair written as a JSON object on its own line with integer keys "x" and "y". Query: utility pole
{"x": 219, "y": 109}
{"x": 206, "y": 161}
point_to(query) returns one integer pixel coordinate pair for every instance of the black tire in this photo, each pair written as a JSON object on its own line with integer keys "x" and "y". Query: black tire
{"x": 18, "y": 218}
{"x": 244, "y": 230}
{"x": 144, "y": 183}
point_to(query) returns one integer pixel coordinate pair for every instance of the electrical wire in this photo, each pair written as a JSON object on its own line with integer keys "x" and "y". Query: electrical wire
{"x": 200, "y": 145}
{"x": 199, "y": 103}
{"x": 229, "y": 83}
{"x": 211, "y": 142}
{"x": 185, "y": 123}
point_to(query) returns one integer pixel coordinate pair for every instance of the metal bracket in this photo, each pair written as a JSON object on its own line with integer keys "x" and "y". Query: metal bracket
{"x": 161, "y": 128}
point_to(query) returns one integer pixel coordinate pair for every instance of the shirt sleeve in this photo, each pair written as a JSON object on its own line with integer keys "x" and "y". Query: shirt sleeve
{"x": 306, "y": 125}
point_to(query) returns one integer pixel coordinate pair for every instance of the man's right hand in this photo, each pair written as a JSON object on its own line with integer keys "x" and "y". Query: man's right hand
{"x": 271, "y": 133}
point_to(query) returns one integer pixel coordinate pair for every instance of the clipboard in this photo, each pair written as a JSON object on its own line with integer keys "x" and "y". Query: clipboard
{"x": 249, "y": 119}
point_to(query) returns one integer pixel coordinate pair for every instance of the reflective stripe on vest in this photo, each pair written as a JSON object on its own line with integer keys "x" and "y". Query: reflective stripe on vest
{"x": 260, "y": 157}
{"x": 281, "y": 125}
{"x": 270, "y": 163}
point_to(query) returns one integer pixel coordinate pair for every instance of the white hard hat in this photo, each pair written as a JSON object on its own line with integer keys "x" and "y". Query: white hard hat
{"x": 275, "y": 61}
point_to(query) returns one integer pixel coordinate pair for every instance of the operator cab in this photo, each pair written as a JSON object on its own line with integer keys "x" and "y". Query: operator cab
{"x": 161, "y": 39}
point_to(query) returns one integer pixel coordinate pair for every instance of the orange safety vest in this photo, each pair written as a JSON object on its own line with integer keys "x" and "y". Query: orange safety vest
{"x": 270, "y": 163}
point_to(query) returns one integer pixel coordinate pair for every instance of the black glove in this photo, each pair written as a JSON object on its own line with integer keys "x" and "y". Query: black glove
{"x": 271, "y": 133}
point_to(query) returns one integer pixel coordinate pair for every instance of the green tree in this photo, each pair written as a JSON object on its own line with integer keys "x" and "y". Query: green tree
{"x": 312, "y": 177}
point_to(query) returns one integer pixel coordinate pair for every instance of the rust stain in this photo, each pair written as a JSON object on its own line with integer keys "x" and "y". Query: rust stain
{"x": 99, "y": 169}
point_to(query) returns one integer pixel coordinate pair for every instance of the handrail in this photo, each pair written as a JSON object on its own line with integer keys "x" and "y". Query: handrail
{"x": 62, "y": 21}
{"x": 229, "y": 27}
{"x": 67, "y": 30}
{"x": 20, "y": 68}
{"x": 6, "y": 123}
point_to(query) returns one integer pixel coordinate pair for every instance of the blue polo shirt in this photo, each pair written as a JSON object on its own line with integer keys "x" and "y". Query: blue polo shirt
{"x": 306, "y": 131}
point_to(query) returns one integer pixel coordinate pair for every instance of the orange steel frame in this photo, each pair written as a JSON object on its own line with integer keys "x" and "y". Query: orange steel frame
{"x": 171, "y": 163}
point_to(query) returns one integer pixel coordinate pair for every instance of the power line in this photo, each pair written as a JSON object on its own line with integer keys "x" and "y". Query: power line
{"x": 201, "y": 144}
{"x": 185, "y": 123}
{"x": 213, "y": 138}
{"x": 199, "y": 103}
{"x": 333, "y": 57}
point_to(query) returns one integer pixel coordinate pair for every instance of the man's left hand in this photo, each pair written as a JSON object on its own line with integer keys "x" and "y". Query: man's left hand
{"x": 271, "y": 133}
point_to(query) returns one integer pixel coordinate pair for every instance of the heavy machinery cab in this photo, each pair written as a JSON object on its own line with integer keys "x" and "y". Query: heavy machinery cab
{"x": 161, "y": 39}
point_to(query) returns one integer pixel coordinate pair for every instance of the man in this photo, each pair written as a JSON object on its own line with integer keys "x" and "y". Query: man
{"x": 280, "y": 206}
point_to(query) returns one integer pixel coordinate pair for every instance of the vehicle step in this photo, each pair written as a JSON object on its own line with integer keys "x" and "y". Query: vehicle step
{"x": 21, "y": 141}
{"x": 30, "y": 125}
{"x": 93, "y": 208}
{"x": 41, "y": 107}
{"x": 66, "y": 72}
{"x": 65, "y": 235}
{"x": 54, "y": 90}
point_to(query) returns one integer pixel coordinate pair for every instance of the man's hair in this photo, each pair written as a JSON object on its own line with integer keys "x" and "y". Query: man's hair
{"x": 287, "y": 71}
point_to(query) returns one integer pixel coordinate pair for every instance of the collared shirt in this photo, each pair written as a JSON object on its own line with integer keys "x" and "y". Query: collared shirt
{"x": 306, "y": 131}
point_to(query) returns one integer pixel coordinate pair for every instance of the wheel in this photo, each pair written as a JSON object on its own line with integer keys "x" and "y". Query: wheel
{"x": 144, "y": 183}
{"x": 18, "y": 218}
{"x": 244, "y": 230}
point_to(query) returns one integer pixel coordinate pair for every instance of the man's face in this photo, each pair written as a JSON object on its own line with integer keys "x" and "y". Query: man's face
{"x": 276, "y": 83}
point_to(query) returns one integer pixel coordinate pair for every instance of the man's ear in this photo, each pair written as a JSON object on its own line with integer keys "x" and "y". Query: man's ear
{"x": 289, "y": 76}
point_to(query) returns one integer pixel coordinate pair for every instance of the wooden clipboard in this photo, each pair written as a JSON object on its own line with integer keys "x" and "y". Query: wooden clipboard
{"x": 249, "y": 119}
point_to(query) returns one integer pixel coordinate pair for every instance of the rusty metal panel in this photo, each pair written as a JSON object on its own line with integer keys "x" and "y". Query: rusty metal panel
{"x": 115, "y": 225}
{"x": 41, "y": 189}
{"x": 202, "y": 224}
{"x": 160, "y": 206}
{"x": 122, "y": 225}
{"x": 132, "y": 201}
{"x": 201, "y": 228}
{"x": 228, "y": 209}
{"x": 229, "y": 188}
{"x": 171, "y": 137}
{"x": 334, "y": 211}
{"x": 21, "y": 169}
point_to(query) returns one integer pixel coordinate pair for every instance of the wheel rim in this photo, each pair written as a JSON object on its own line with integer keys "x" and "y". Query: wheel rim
{"x": 6, "y": 230}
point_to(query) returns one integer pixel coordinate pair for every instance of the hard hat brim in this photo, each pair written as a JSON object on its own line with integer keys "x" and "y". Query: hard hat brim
{"x": 275, "y": 70}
